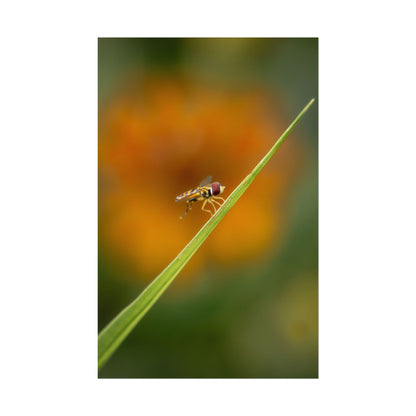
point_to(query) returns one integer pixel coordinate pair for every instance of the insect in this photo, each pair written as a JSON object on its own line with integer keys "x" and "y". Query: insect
{"x": 205, "y": 191}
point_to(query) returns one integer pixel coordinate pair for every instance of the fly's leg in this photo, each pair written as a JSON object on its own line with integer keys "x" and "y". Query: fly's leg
{"x": 188, "y": 207}
{"x": 203, "y": 206}
{"x": 213, "y": 200}
{"x": 218, "y": 197}
{"x": 209, "y": 200}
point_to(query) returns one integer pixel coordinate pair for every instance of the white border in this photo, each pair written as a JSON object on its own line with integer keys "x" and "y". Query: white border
{"x": 48, "y": 208}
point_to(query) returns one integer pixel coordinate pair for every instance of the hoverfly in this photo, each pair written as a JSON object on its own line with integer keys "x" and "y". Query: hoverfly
{"x": 205, "y": 191}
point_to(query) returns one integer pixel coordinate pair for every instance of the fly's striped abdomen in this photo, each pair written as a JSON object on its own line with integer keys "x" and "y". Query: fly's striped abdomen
{"x": 189, "y": 195}
{"x": 199, "y": 192}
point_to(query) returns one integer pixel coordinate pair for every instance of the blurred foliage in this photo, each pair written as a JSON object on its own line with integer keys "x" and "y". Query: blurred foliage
{"x": 172, "y": 111}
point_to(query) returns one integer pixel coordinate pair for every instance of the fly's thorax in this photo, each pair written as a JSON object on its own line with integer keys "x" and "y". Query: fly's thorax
{"x": 216, "y": 188}
{"x": 206, "y": 192}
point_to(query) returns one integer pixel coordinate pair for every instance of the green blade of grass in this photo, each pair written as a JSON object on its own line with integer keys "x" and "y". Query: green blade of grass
{"x": 117, "y": 330}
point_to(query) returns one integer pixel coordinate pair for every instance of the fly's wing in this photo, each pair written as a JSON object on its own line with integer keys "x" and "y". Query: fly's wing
{"x": 206, "y": 181}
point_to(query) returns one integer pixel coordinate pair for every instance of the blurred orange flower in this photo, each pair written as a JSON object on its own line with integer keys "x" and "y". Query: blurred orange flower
{"x": 161, "y": 138}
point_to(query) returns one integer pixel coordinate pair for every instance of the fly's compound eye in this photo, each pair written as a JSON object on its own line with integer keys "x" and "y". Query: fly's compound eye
{"x": 216, "y": 188}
